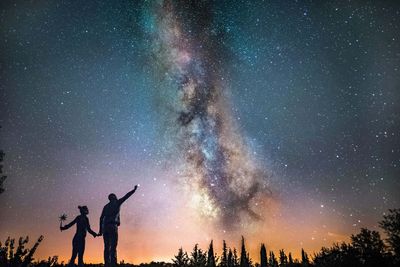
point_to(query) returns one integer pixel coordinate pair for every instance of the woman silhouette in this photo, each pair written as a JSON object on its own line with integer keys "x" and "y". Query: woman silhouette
{"x": 78, "y": 242}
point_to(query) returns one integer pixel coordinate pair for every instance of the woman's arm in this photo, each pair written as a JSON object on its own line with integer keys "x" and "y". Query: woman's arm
{"x": 65, "y": 227}
{"x": 89, "y": 229}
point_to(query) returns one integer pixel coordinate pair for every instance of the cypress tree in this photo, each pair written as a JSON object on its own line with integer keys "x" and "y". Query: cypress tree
{"x": 263, "y": 256}
{"x": 290, "y": 259}
{"x": 224, "y": 257}
{"x": 231, "y": 262}
{"x": 211, "y": 257}
{"x": 243, "y": 255}
{"x": 304, "y": 258}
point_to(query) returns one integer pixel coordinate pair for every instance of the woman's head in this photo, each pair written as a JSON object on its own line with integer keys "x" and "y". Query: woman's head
{"x": 84, "y": 210}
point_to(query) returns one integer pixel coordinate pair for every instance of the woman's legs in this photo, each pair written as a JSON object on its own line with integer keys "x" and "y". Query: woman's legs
{"x": 81, "y": 251}
{"x": 74, "y": 251}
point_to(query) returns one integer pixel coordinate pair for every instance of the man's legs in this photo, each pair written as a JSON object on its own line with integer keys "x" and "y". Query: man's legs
{"x": 113, "y": 245}
{"x": 106, "y": 238}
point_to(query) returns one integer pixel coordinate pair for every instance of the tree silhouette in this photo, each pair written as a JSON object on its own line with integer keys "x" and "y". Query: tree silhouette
{"x": 305, "y": 261}
{"x": 235, "y": 258}
{"x": 244, "y": 258}
{"x": 366, "y": 249}
{"x": 369, "y": 247}
{"x": 22, "y": 257}
{"x": 181, "y": 259}
{"x": 232, "y": 258}
{"x": 391, "y": 226}
{"x": 282, "y": 258}
{"x": 198, "y": 257}
{"x": 338, "y": 255}
{"x": 290, "y": 259}
{"x": 272, "y": 259}
{"x": 211, "y": 256}
{"x": 224, "y": 256}
{"x": 263, "y": 256}
{"x": 249, "y": 261}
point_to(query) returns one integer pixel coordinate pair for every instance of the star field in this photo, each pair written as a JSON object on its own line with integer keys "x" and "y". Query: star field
{"x": 312, "y": 89}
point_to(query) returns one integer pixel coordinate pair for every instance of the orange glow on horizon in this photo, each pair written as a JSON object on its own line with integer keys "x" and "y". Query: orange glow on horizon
{"x": 159, "y": 240}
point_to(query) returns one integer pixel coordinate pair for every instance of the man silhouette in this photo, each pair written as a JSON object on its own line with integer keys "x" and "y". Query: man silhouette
{"x": 109, "y": 222}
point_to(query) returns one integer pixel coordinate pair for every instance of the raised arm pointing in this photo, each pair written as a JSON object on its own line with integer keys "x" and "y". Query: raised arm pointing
{"x": 130, "y": 193}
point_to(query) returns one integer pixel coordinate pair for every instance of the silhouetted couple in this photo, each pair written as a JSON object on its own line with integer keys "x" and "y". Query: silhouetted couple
{"x": 109, "y": 222}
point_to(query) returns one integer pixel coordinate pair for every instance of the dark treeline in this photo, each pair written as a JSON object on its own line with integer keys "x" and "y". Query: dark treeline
{"x": 366, "y": 249}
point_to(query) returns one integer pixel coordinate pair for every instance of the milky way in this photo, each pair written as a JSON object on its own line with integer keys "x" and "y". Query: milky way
{"x": 223, "y": 175}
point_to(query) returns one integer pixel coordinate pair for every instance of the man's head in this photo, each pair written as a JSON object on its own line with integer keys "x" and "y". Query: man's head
{"x": 112, "y": 197}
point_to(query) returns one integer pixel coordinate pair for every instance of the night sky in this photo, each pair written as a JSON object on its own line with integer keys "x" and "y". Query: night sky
{"x": 276, "y": 120}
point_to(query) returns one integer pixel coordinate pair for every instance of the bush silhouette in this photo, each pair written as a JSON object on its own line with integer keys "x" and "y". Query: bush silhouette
{"x": 21, "y": 257}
